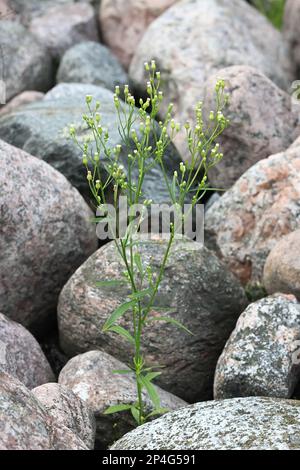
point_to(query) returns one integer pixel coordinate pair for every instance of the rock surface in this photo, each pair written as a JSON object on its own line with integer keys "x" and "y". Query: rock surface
{"x": 90, "y": 62}
{"x": 64, "y": 26}
{"x": 68, "y": 410}
{"x": 291, "y": 28}
{"x": 25, "y": 64}
{"x": 258, "y": 358}
{"x": 195, "y": 38}
{"x": 261, "y": 207}
{"x": 282, "y": 268}
{"x": 25, "y": 424}
{"x": 23, "y": 98}
{"x": 236, "y": 424}
{"x": 257, "y": 129}
{"x": 123, "y": 24}
{"x": 21, "y": 355}
{"x": 90, "y": 376}
{"x": 204, "y": 296}
{"x": 42, "y": 129}
{"x": 45, "y": 234}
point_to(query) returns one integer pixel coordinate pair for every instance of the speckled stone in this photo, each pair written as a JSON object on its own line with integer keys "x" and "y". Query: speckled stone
{"x": 45, "y": 234}
{"x": 90, "y": 376}
{"x": 26, "y": 425}
{"x": 21, "y": 355}
{"x": 91, "y": 62}
{"x": 123, "y": 24}
{"x": 282, "y": 268}
{"x": 291, "y": 28}
{"x": 42, "y": 129}
{"x": 256, "y": 130}
{"x": 237, "y": 424}
{"x": 195, "y": 38}
{"x": 68, "y": 410}
{"x": 20, "y": 100}
{"x": 63, "y": 26}
{"x": 204, "y": 296}
{"x": 258, "y": 359}
{"x": 250, "y": 218}
{"x": 24, "y": 64}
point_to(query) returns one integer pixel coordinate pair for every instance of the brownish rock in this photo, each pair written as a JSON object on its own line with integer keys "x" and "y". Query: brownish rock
{"x": 23, "y": 98}
{"x": 123, "y": 23}
{"x": 262, "y": 206}
{"x": 262, "y": 121}
{"x": 282, "y": 268}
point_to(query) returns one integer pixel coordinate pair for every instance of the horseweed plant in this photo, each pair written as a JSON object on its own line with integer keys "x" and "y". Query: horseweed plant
{"x": 102, "y": 163}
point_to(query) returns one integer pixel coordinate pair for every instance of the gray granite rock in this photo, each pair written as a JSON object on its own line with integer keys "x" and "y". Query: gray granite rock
{"x": 90, "y": 376}
{"x": 204, "y": 296}
{"x": 262, "y": 117}
{"x": 21, "y": 355}
{"x": 20, "y": 100}
{"x": 24, "y": 63}
{"x": 260, "y": 208}
{"x": 259, "y": 357}
{"x": 282, "y": 268}
{"x": 91, "y": 62}
{"x": 68, "y": 410}
{"x": 237, "y": 424}
{"x": 42, "y": 129}
{"x": 291, "y": 29}
{"x": 45, "y": 234}
{"x": 25, "y": 423}
{"x": 195, "y": 38}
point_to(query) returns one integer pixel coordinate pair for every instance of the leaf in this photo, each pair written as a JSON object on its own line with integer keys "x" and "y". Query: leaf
{"x": 152, "y": 375}
{"x": 135, "y": 413}
{"x": 171, "y": 320}
{"x": 122, "y": 371}
{"x": 142, "y": 293}
{"x": 119, "y": 312}
{"x": 156, "y": 308}
{"x": 122, "y": 332}
{"x": 97, "y": 220}
{"x": 110, "y": 283}
{"x": 151, "y": 391}
{"x": 116, "y": 409}
{"x": 158, "y": 411}
{"x": 138, "y": 262}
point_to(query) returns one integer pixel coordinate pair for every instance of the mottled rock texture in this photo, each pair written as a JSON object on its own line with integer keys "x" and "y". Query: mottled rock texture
{"x": 90, "y": 376}
{"x": 261, "y": 207}
{"x": 262, "y": 118}
{"x": 204, "y": 296}
{"x": 23, "y": 98}
{"x": 64, "y": 26}
{"x": 21, "y": 355}
{"x": 259, "y": 357}
{"x": 42, "y": 129}
{"x": 90, "y": 62}
{"x": 123, "y": 23}
{"x": 236, "y": 424}
{"x": 291, "y": 28}
{"x": 68, "y": 410}
{"x": 282, "y": 268}
{"x": 25, "y": 423}
{"x": 195, "y": 38}
{"x": 24, "y": 63}
{"x": 45, "y": 234}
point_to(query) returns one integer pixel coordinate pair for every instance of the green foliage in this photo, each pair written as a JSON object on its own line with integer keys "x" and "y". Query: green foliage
{"x": 272, "y": 9}
{"x": 103, "y": 169}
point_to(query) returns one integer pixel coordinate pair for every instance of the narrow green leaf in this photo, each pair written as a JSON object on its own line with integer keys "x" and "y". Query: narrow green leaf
{"x": 119, "y": 312}
{"x": 138, "y": 262}
{"x": 171, "y": 320}
{"x": 110, "y": 283}
{"x": 156, "y": 308}
{"x": 122, "y": 332}
{"x": 122, "y": 371}
{"x": 158, "y": 411}
{"x": 116, "y": 409}
{"x": 154, "y": 397}
{"x": 135, "y": 413}
{"x": 142, "y": 293}
{"x": 152, "y": 375}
